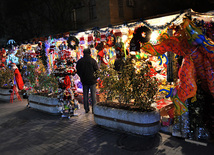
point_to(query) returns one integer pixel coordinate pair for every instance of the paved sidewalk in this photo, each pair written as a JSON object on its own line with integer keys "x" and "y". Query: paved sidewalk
{"x": 27, "y": 131}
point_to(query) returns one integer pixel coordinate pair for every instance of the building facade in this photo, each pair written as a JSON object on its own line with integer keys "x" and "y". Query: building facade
{"x": 23, "y": 20}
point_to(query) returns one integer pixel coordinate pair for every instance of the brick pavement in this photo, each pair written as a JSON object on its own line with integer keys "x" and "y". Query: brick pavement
{"x": 27, "y": 131}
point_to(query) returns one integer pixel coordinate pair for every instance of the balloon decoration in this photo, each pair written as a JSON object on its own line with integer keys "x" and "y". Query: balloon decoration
{"x": 161, "y": 59}
{"x": 198, "y": 61}
{"x": 196, "y": 35}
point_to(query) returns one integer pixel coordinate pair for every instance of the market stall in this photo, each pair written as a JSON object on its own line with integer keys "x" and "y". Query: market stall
{"x": 179, "y": 49}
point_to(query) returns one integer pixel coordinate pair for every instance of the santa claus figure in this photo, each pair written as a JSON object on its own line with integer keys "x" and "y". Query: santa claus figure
{"x": 18, "y": 77}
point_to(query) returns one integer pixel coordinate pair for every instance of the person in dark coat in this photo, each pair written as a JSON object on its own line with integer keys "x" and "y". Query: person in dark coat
{"x": 86, "y": 68}
{"x": 119, "y": 62}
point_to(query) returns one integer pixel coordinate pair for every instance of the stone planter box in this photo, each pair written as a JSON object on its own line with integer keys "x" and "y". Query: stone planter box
{"x": 5, "y": 94}
{"x": 142, "y": 123}
{"x": 46, "y": 104}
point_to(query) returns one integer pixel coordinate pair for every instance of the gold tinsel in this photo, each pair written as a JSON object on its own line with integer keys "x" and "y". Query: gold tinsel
{"x": 6, "y": 77}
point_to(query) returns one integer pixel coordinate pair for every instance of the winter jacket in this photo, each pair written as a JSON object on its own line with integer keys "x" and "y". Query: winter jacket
{"x": 86, "y": 68}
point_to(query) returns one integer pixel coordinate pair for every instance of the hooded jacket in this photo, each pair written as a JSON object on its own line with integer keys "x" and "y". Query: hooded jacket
{"x": 86, "y": 68}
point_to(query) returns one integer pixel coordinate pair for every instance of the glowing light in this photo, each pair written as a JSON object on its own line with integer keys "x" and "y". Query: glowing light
{"x": 85, "y": 46}
{"x": 154, "y": 36}
{"x": 124, "y": 38}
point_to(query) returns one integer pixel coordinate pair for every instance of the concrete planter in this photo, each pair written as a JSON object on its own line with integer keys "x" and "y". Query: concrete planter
{"x": 46, "y": 104}
{"x": 143, "y": 123}
{"x": 5, "y": 94}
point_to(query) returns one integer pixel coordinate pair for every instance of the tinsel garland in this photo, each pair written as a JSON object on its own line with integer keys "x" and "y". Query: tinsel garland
{"x": 170, "y": 56}
{"x": 197, "y": 114}
{"x": 43, "y": 56}
{"x": 6, "y": 77}
{"x": 192, "y": 124}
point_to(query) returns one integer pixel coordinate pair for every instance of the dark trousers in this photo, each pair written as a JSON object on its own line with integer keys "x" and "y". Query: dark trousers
{"x": 85, "y": 96}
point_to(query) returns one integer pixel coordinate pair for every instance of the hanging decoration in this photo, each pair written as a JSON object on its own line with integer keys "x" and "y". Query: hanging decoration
{"x": 52, "y": 47}
{"x": 73, "y": 42}
{"x": 90, "y": 39}
{"x": 103, "y": 37}
{"x": 96, "y": 33}
{"x": 194, "y": 57}
{"x": 2, "y": 57}
{"x": 42, "y": 54}
{"x": 161, "y": 59}
{"x": 196, "y": 36}
{"x": 82, "y": 40}
{"x": 110, "y": 39}
{"x": 209, "y": 30}
{"x": 98, "y": 44}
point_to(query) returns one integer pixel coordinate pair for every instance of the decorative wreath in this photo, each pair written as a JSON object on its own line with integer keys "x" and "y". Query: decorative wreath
{"x": 142, "y": 34}
{"x": 110, "y": 39}
{"x": 73, "y": 42}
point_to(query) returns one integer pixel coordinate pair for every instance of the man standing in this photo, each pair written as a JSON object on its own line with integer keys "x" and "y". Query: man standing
{"x": 86, "y": 68}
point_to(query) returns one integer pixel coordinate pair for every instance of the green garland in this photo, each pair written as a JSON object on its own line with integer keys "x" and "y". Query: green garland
{"x": 6, "y": 77}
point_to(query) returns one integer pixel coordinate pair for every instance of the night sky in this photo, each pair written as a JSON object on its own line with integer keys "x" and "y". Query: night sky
{"x": 26, "y": 19}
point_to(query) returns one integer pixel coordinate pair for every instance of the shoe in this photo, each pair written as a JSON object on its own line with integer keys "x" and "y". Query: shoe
{"x": 86, "y": 111}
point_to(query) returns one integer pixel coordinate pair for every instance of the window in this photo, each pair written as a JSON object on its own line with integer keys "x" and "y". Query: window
{"x": 130, "y": 3}
{"x": 79, "y": 4}
{"x": 92, "y": 9}
{"x": 74, "y": 18}
{"x": 120, "y": 5}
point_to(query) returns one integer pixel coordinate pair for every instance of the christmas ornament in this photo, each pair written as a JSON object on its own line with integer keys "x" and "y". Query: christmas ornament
{"x": 73, "y": 42}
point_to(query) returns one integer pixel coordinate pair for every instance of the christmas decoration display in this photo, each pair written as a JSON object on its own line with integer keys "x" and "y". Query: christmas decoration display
{"x": 11, "y": 58}
{"x": 40, "y": 81}
{"x": 18, "y": 77}
{"x": 136, "y": 81}
{"x": 192, "y": 59}
{"x": 41, "y": 53}
{"x": 2, "y": 57}
{"x": 6, "y": 77}
{"x": 196, "y": 36}
{"x": 30, "y": 55}
{"x": 10, "y": 78}
{"x": 64, "y": 71}
{"x": 178, "y": 54}
{"x": 73, "y": 42}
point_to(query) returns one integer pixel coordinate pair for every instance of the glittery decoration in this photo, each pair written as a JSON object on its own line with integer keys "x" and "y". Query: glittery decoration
{"x": 181, "y": 127}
